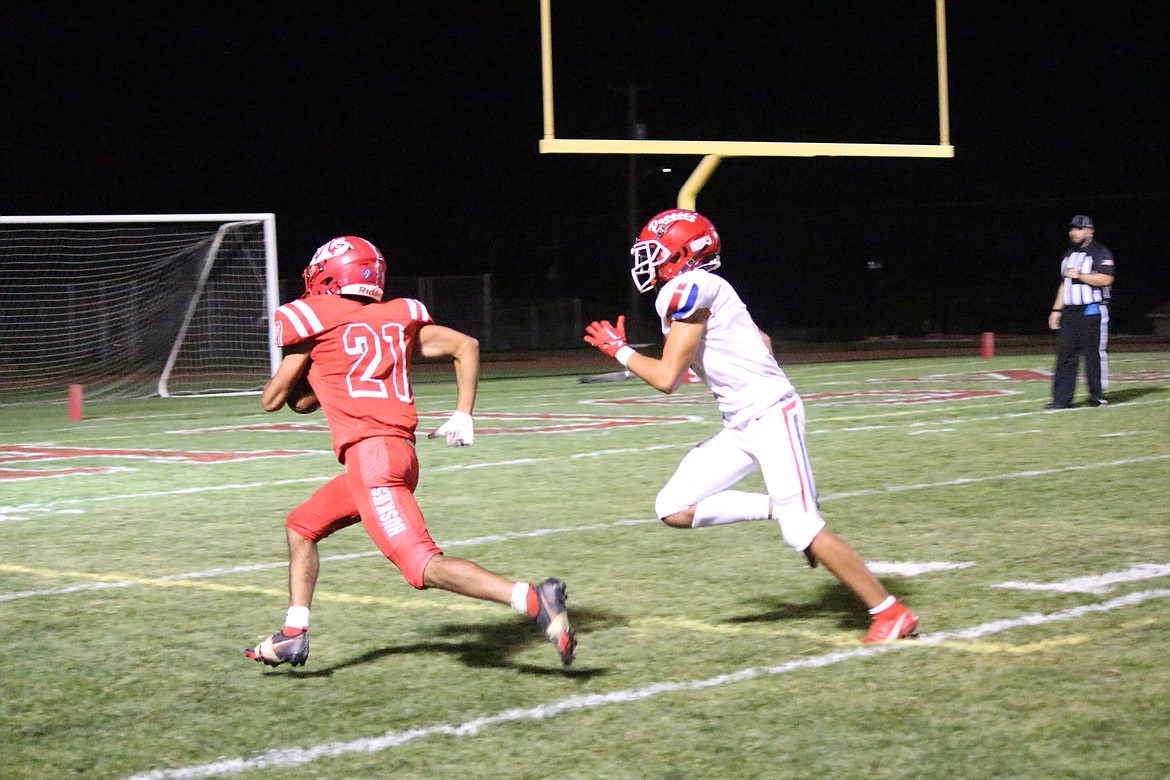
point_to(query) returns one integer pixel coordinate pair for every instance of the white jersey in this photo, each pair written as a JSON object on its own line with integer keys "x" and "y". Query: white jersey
{"x": 732, "y": 359}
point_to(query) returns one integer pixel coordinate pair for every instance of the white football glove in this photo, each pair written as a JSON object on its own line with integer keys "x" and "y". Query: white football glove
{"x": 459, "y": 430}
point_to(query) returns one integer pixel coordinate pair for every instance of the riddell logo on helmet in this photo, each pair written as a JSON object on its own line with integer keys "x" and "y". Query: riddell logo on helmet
{"x": 367, "y": 290}
{"x": 334, "y": 248}
{"x": 658, "y": 225}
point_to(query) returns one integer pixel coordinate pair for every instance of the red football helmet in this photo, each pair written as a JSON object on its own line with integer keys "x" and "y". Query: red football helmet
{"x": 347, "y": 265}
{"x": 674, "y": 241}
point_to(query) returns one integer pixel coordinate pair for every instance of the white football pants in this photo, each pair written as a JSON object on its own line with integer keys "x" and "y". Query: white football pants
{"x": 773, "y": 442}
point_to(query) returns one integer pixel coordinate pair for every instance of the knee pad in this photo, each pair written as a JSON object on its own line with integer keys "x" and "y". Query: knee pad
{"x": 798, "y": 525}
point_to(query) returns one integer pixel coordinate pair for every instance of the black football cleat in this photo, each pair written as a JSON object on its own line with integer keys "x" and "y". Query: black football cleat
{"x": 281, "y": 649}
{"x": 553, "y": 617}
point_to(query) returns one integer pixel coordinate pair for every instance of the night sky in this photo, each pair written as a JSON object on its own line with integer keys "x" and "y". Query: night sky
{"x": 418, "y": 129}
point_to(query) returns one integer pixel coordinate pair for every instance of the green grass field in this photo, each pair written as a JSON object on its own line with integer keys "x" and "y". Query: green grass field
{"x": 128, "y": 590}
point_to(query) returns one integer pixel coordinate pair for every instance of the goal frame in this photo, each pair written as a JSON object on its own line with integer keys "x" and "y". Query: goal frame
{"x": 227, "y": 221}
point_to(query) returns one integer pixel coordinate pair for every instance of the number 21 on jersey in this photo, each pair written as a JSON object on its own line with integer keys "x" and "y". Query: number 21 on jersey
{"x": 377, "y": 358}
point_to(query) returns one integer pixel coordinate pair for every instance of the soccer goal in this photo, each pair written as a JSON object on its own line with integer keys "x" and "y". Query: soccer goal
{"x": 131, "y": 306}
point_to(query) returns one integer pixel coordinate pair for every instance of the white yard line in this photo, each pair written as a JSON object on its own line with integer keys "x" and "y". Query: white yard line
{"x": 79, "y": 588}
{"x": 251, "y": 567}
{"x": 828, "y": 414}
{"x": 905, "y": 569}
{"x": 14, "y": 513}
{"x": 1096, "y": 583}
{"x": 7, "y": 512}
{"x": 282, "y": 758}
{"x": 992, "y": 478}
{"x": 913, "y": 569}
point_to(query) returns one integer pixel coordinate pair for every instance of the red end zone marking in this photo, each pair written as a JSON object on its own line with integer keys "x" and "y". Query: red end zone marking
{"x": 21, "y": 453}
{"x": 8, "y": 475}
{"x": 1025, "y": 375}
{"x": 852, "y": 397}
{"x": 29, "y": 453}
{"x": 861, "y": 397}
{"x": 544, "y": 423}
{"x": 560, "y": 423}
{"x": 686, "y": 399}
{"x": 1007, "y": 375}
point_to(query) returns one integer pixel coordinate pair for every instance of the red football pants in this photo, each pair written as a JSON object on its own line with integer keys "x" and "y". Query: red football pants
{"x": 377, "y": 488}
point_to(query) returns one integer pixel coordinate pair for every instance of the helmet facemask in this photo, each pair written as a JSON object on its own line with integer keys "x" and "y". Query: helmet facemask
{"x": 648, "y": 255}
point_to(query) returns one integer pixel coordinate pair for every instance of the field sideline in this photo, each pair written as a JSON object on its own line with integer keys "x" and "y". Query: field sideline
{"x": 142, "y": 548}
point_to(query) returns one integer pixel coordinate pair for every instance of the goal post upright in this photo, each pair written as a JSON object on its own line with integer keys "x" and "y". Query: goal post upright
{"x": 271, "y": 289}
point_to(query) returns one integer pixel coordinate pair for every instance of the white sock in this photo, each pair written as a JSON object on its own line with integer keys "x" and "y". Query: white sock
{"x": 731, "y": 506}
{"x": 297, "y": 617}
{"x": 889, "y": 602}
{"x": 520, "y": 597}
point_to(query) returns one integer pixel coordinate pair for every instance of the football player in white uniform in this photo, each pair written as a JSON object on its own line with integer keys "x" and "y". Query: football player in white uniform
{"x": 709, "y": 331}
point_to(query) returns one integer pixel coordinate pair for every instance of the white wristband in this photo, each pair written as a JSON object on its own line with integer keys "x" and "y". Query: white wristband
{"x": 623, "y": 354}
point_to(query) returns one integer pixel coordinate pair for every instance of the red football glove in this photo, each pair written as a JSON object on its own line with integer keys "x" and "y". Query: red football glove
{"x": 610, "y": 339}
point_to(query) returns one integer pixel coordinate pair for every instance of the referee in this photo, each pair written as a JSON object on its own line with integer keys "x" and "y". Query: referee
{"x": 1081, "y": 314}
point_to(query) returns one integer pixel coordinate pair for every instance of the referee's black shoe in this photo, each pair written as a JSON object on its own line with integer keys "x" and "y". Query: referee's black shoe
{"x": 1098, "y": 402}
{"x": 1055, "y": 405}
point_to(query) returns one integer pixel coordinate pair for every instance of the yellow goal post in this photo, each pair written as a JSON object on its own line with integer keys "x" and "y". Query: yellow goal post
{"x": 713, "y": 151}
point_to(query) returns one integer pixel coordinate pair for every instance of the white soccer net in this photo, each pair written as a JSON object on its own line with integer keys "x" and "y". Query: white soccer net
{"x": 134, "y": 306}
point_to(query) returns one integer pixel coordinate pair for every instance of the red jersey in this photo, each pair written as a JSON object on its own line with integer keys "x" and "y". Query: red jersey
{"x": 361, "y": 362}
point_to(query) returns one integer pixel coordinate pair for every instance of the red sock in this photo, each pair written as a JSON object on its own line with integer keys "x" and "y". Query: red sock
{"x": 533, "y": 602}
{"x": 290, "y": 631}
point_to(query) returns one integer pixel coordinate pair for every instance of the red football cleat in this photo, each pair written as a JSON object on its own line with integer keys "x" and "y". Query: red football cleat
{"x": 894, "y": 622}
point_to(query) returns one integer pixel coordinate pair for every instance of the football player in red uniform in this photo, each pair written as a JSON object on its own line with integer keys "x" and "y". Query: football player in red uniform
{"x": 356, "y": 350}
{"x": 709, "y": 332}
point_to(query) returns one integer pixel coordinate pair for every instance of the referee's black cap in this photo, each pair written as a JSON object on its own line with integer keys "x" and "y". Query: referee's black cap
{"x": 1080, "y": 221}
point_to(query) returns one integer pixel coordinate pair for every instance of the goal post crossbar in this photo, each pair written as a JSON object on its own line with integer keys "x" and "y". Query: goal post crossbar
{"x": 88, "y": 218}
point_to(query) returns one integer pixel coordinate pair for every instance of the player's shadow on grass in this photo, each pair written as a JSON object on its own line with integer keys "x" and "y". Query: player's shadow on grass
{"x": 486, "y": 646}
{"x": 1131, "y": 393}
{"x": 835, "y": 600}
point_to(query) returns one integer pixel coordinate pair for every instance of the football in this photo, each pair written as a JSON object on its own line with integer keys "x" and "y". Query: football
{"x": 301, "y": 398}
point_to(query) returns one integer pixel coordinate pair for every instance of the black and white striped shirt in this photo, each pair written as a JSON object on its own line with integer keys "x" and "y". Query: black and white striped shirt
{"x": 1092, "y": 259}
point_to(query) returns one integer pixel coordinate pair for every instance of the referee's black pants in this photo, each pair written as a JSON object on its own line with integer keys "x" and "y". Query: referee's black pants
{"x": 1085, "y": 335}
